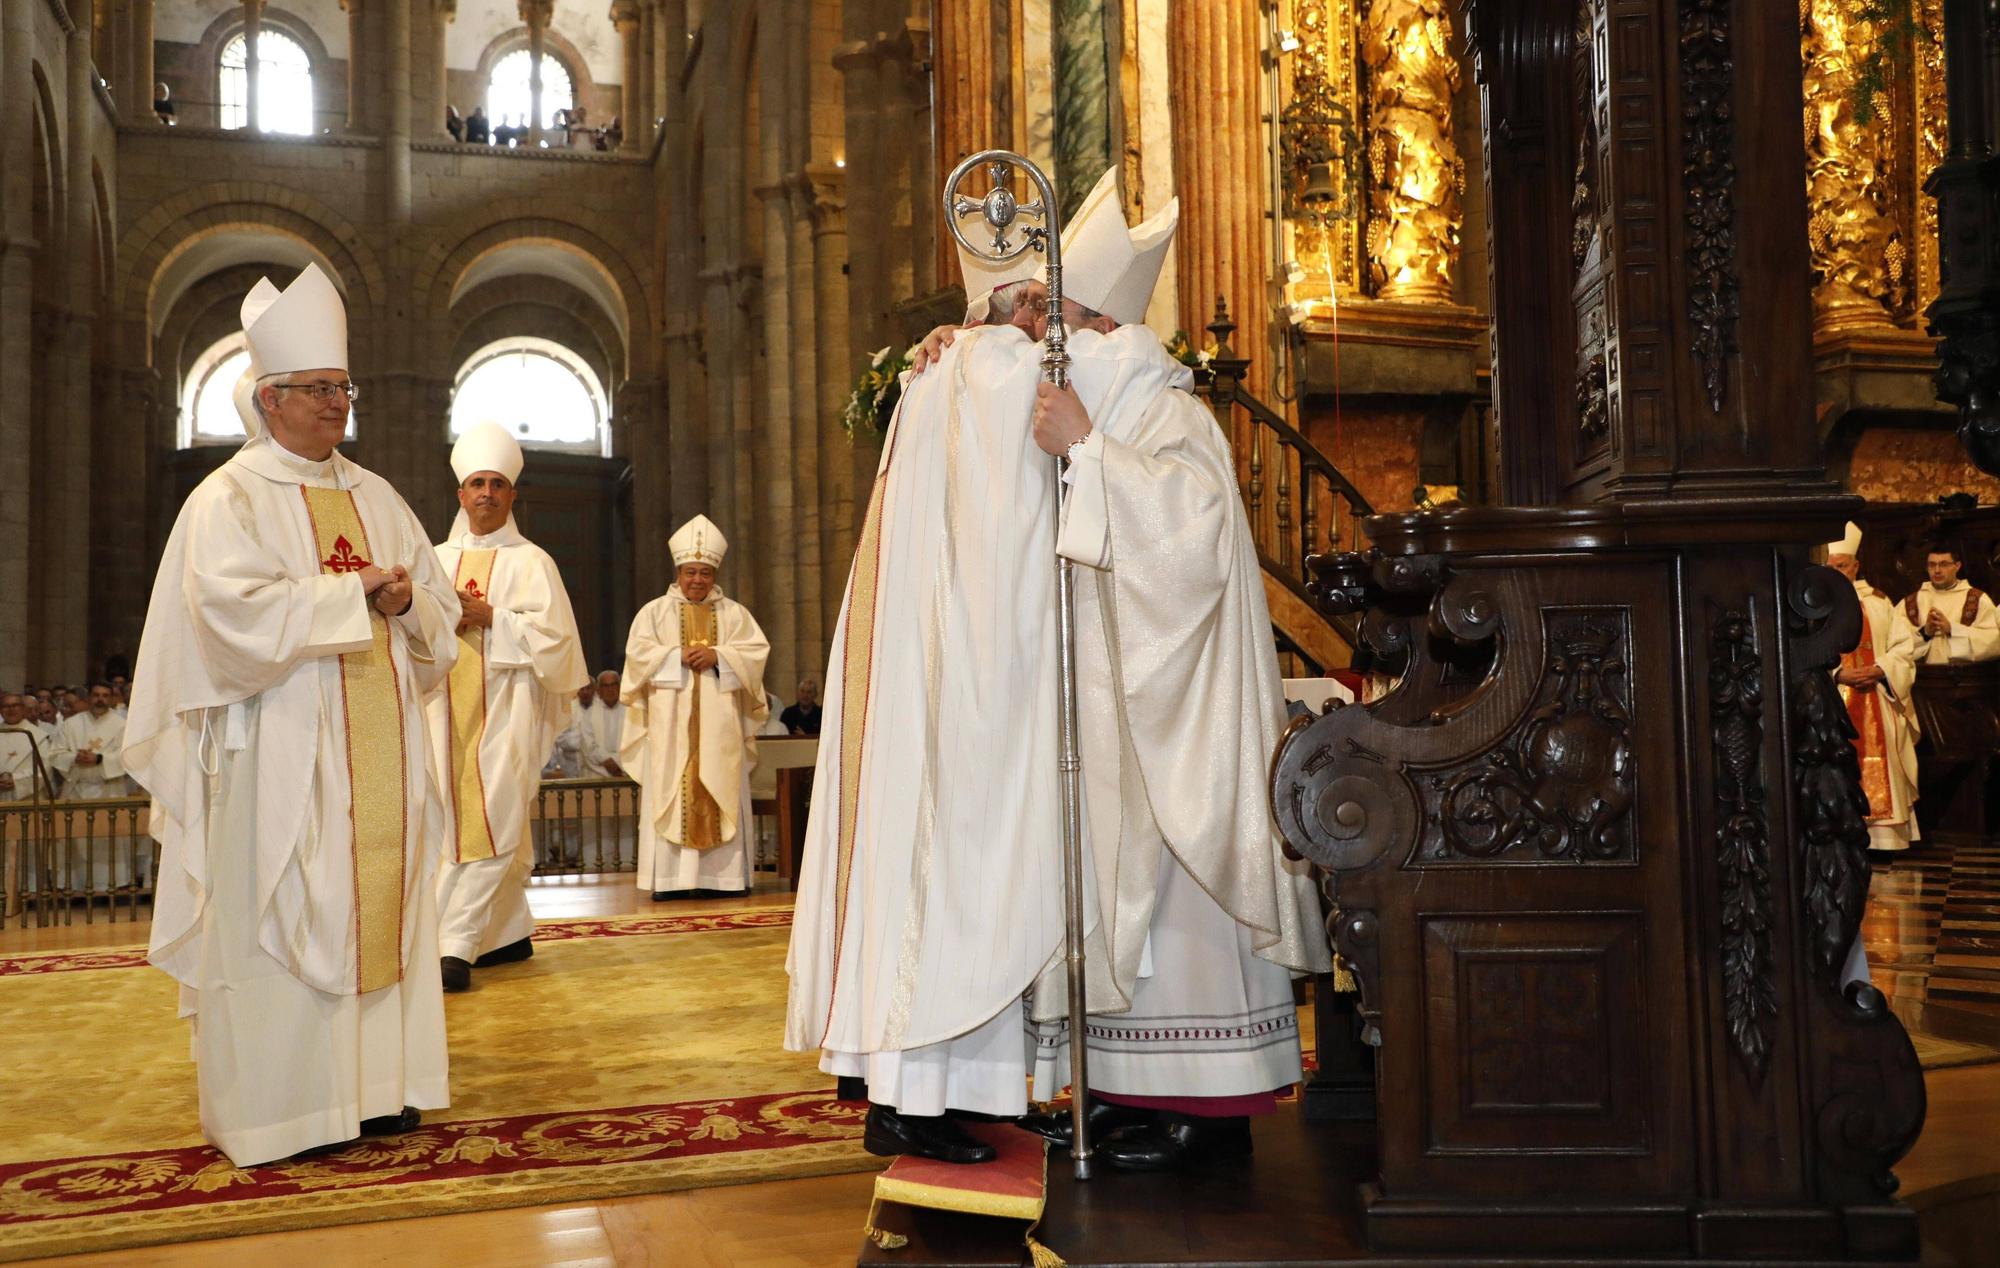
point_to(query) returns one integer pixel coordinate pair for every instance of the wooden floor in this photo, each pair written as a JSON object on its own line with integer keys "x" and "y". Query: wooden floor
{"x": 798, "y": 1223}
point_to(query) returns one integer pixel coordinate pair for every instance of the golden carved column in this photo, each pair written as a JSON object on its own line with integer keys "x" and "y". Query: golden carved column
{"x": 1930, "y": 147}
{"x": 1860, "y": 256}
{"x": 1417, "y": 176}
{"x": 1214, "y": 64}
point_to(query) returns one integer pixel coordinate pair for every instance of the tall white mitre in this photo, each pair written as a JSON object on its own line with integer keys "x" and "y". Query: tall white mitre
{"x": 1112, "y": 268}
{"x": 698, "y": 541}
{"x": 486, "y": 446}
{"x": 983, "y": 276}
{"x": 1849, "y": 544}
{"x": 303, "y": 327}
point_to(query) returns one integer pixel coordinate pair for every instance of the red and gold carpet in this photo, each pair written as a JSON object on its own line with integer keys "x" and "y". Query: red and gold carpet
{"x": 630, "y": 1055}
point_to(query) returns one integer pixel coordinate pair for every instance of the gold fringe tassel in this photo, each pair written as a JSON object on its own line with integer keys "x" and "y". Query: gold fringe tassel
{"x": 882, "y": 1237}
{"x": 1041, "y": 1256}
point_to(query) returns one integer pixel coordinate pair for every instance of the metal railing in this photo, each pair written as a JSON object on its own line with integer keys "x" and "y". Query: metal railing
{"x": 80, "y": 862}
{"x": 1298, "y": 502}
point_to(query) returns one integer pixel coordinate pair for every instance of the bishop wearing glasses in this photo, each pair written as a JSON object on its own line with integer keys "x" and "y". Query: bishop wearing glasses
{"x": 298, "y": 618}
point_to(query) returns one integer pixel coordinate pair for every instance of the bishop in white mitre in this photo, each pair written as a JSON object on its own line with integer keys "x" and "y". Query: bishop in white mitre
{"x": 931, "y": 891}
{"x": 1952, "y": 620}
{"x": 1876, "y": 680}
{"x": 496, "y": 717}
{"x": 298, "y": 619}
{"x": 89, "y": 749}
{"x": 693, "y": 691}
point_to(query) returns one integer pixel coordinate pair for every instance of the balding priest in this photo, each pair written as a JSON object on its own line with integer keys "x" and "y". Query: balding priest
{"x": 1199, "y": 914}
{"x": 496, "y": 718}
{"x": 931, "y": 891}
{"x": 298, "y": 619}
{"x": 1876, "y": 680}
{"x": 693, "y": 691}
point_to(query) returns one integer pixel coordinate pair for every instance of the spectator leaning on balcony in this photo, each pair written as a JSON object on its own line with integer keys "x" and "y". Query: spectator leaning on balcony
{"x": 497, "y": 714}
{"x": 694, "y": 698}
{"x": 477, "y": 130}
{"x": 298, "y": 619}
{"x": 90, "y": 749}
{"x": 453, "y": 124}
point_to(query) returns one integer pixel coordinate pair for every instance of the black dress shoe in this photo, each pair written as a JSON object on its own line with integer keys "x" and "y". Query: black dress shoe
{"x": 457, "y": 974}
{"x": 1176, "y": 1142}
{"x": 889, "y": 1133}
{"x": 1059, "y": 1128}
{"x": 392, "y": 1124}
{"x": 513, "y": 951}
{"x": 850, "y": 1087}
{"x": 669, "y": 895}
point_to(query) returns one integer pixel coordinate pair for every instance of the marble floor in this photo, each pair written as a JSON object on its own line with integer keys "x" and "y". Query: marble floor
{"x": 1933, "y": 936}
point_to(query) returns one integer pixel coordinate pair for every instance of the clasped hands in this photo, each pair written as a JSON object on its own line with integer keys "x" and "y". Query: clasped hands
{"x": 473, "y": 612}
{"x": 390, "y": 591}
{"x": 1862, "y": 678}
{"x": 1936, "y": 624}
{"x": 699, "y": 659}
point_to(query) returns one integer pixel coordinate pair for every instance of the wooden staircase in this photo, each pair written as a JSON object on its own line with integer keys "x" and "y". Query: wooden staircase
{"x": 1299, "y": 503}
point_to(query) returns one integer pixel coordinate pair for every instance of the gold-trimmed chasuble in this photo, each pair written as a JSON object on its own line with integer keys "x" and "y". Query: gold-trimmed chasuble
{"x": 377, "y": 763}
{"x": 701, "y": 818}
{"x": 465, "y": 691}
{"x": 1871, "y": 740}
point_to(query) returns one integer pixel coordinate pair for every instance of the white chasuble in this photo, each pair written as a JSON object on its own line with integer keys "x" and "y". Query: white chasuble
{"x": 276, "y": 721}
{"x": 931, "y": 890}
{"x": 1885, "y": 720}
{"x": 1972, "y": 618}
{"x": 689, "y": 739}
{"x": 105, "y": 738}
{"x": 1198, "y": 911}
{"x": 492, "y": 725}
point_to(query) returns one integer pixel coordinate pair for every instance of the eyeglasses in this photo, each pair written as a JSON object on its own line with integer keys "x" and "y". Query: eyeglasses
{"x": 323, "y": 392}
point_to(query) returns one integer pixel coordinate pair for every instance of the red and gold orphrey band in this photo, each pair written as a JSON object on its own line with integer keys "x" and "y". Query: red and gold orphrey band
{"x": 701, "y": 818}
{"x": 466, "y": 692}
{"x": 1864, "y": 709}
{"x": 377, "y": 765}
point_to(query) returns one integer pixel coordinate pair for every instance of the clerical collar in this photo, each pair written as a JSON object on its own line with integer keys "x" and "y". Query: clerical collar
{"x": 304, "y": 466}
{"x": 1947, "y": 589}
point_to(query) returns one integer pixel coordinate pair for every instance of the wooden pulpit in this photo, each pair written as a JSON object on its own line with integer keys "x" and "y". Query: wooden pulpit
{"x": 1599, "y": 861}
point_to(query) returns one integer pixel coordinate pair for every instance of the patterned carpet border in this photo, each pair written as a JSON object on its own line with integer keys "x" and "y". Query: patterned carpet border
{"x": 545, "y": 931}
{"x": 145, "y": 1198}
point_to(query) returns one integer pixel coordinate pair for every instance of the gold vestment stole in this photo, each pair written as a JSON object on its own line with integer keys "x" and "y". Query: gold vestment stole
{"x": 1871, "y": 740}
{"x": 465, "y": 691}
{"x": 701, "y": 818}
{"x": 377, "y": 764}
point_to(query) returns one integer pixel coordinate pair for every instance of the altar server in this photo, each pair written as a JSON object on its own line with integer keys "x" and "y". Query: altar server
{"x": 1876, "y": 679}
{"x": 89, "y": 749}
{"x": 694, "y": 698}
{"x": 1952, "y": 621}
{"x": 496, "y": 718}
{"x": 298, "y": 618}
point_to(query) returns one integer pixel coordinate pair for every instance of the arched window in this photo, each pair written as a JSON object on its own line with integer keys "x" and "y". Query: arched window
{"x": 508, "y": 95}
{"x": 537, "y": 389}
{"x": 208, "y": 398}
{"x": 284, "y": 83}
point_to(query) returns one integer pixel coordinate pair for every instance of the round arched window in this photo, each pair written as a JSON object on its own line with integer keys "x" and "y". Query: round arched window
{"x": 208, "y": 397}
{"x": 510, "y": 99}
{"x": 543, "y": 393}
{"x": 284, "y": 83}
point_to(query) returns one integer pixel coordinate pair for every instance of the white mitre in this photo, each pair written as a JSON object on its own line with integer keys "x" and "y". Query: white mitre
{"x": 983, "y": 276}
{"x": 486, "y": 446}
{"x": 1849, "y": 544}
{"x": 304, "y": 327}
{"x": 244, "y": 396}
{"x": 1107, "y": 266}
{"x": 698, "y": 541}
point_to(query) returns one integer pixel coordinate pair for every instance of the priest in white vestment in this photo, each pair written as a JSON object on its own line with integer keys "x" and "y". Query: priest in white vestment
{"x": 601, "y": 729}
{"x": 1876, "y": 679}
{"x": 19, "y": 740}
{"x": 694, "y": 697}
{"x": 930, "y": 895}
{"x": 494, "y": 720}
{"x": 298, "y": 619}
{"x": 89, "y": 749}
{"x": 1952, "y": 621}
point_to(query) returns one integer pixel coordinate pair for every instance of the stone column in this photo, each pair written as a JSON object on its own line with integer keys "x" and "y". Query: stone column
{"x": 859, "y": 64}
{"x": 625, "y": 16}
{"x": 396, "y": 137}
{"x": 649, "y": 75}
{"x": 253, "y": 25}
{"x": 137, "y": 103}
{"x": 775, "y": 505}
{"x": 74, "y": 558}
{"x": 536, "y": 14}
{"x": 1224, "y": 243}
{"x": 839, "y": 460}
{"x": 357, "y": 66}
{"x": 18, "y": 249}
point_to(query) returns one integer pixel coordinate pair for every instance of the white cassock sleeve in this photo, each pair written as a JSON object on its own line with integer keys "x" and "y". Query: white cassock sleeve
{"x": 112, "y": 751}
{"x": 1085, "y": 536}
{"x": 537, "y": 629}
{"x": 1898, "y": 658}
{"x": 430, "y": 623}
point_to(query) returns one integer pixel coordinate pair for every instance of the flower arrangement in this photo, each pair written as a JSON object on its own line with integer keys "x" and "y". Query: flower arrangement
{"x": 872, "y": 403}
{"x": 1182, "y": 349}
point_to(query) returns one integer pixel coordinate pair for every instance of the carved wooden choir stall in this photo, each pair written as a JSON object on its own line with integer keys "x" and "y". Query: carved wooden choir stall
{"x": 1599, "y": 861}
